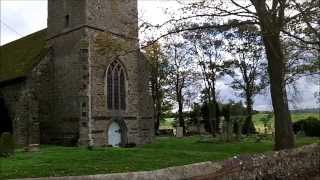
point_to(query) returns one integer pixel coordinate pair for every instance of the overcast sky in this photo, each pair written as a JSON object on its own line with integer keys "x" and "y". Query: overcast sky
{"x": 22, "y": 17}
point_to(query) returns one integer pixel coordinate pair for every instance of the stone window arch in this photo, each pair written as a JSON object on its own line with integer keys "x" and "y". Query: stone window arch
{"x": 116, "y": 81}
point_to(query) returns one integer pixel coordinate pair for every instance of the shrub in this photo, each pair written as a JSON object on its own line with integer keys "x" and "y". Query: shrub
{"x": 165, "y": 132}
{"x": 215, "y": 115}
{"x": 130, "y": 145}
{"x": 248, "y": 127}
{"x": 297, "y": 126}
{"x": 6, "y": 144}
{"x": 310, "y": 126}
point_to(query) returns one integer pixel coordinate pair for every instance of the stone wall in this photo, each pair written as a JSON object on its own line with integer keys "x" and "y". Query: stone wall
{"x": 59, "y": 11}
{"x": 297, "y": 164}
{"x": 28, "y": 103}
{"x": 40, "y": 90}
{"x": 138, "y": 114}
{"x": 70, "y": 83}
{"x": 145, "y": 107}
{"x": 121, "y": 16}
{"x": 63, "y": 97}
{"x": 123, "y": 25}
{"x": 11, "y": 94}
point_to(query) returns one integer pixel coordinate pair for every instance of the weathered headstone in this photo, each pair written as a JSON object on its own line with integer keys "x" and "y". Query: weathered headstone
{"x": 33, "y": 148}
{"x": 179, "y": 132}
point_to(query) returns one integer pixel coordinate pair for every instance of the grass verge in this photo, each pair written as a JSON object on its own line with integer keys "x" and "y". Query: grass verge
{"x": 164, "y": 152}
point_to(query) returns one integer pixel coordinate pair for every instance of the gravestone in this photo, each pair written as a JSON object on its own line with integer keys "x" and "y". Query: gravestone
{"x": 33, "y": 148}
{"x": 179, "y": 132}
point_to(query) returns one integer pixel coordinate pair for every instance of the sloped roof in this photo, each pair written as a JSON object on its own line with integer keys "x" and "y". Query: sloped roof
{"x": 19, "y": 57}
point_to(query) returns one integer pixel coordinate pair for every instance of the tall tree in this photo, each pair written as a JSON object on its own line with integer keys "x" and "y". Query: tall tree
{"x": 180, "y": 76}
{"x": 247, "y": 54}
{"x": 272, "y": 18}
{"x": 208, "y": 48}
{"x": 159, "y": 69}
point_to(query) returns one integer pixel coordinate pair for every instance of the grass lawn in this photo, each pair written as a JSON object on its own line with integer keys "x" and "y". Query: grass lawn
{"x": 167, "y": 123}
{"x": 164, "y": 152}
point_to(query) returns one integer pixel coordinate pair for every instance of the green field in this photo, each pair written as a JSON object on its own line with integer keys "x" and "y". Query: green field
{"x": 167, "y": 124}
{"x": 295, "y": 117}
{"x": 165, "y": 152}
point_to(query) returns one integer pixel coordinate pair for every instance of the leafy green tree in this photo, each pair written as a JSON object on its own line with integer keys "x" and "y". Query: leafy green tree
{"x": 207, "y": 111}
{"x": 158, "y": 72}
{"x": 275, "y": 20}
{"x": 208, "y": 48}
{"x": 180, "y": 76}
{"x": 266, "y": 120}
{"x": 247, "y": 55}
{"x": 195, "y": 113}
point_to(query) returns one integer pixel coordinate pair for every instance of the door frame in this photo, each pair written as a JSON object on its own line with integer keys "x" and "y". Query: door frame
{"x": 123, "y": 129}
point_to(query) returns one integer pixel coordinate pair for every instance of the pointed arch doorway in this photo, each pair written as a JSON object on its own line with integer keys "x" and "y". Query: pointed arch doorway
{"x": 114, "y": 134}
{"x": 117, "y": 133}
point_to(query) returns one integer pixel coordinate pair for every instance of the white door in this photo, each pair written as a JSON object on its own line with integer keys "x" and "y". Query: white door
{"x": 114, "y": 135}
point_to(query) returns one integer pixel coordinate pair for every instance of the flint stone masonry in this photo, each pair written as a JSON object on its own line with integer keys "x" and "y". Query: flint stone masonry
{"x": 296, "y": 164}
{"x": 63, "y": 99}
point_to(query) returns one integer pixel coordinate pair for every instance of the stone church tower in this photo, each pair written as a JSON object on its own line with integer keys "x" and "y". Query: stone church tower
{"x": 77, "y": 95}
{"x": 105, "y": 96}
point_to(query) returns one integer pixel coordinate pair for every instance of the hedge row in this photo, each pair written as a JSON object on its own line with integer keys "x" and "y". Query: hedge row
{"x": 309, "y": 126}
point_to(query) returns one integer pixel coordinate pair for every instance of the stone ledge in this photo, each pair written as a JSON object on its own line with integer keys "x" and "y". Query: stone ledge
{"x": 171, "y": 173}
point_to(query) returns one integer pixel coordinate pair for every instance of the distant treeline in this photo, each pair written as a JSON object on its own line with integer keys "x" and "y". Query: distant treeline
{"x": 308, "y": 110}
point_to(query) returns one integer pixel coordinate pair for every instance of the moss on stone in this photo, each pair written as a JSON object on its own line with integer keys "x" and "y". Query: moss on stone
{"x": 19, "y": 57}
{"x": 106, "y": 44}
{"x": 6, "y": 145}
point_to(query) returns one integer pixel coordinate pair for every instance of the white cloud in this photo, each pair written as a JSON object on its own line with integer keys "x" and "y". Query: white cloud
{"x": 27, "y": 16}
{"x": 20, "y": 18}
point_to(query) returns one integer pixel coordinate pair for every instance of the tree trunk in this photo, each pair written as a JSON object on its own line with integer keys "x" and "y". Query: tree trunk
{"x": 271, "y": 24}
{"x": 284, "y": 138}
{"x": 155, "y": 109}
{"x": 249, "y": 107}
{"x": 210, "y": 112}
{"x": 180, "y": 116}
{"x": 217, "y": 116}
{"x": 211, "y": 116}
{"x": 248, "y": 127}
{"x": 157, "y": 123}
{"x": 213, "y": 110}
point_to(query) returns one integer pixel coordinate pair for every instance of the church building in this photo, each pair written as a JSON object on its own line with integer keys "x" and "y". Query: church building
{"x": 68, "y": 84}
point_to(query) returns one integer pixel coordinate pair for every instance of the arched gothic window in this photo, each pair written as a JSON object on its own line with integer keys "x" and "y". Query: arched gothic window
{"x": 116, "y": 86}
